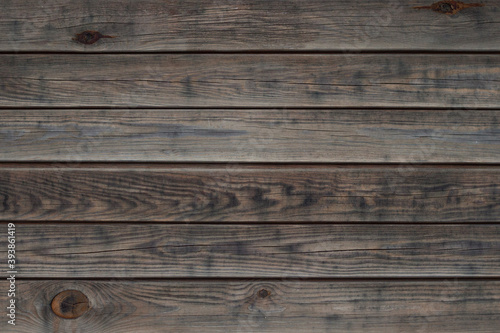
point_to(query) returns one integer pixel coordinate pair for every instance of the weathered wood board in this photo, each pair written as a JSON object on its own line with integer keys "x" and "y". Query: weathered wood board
{"x": 259, "y": 193}
{"x": 264, "y": 306}
{"x": 250, "y": 166}
{"x": 108, "y": 250}
{"x": 272, "y": 136}
{"x": 250, "y": 80}
{"x": 246, "y": 25}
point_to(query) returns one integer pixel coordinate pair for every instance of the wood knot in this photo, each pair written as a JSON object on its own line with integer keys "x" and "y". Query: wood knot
{"x": 449, "y": 7}
{"x": 90, "y": 37}
{"x": 263, "y": 293}
{"x": 70, "y": 304}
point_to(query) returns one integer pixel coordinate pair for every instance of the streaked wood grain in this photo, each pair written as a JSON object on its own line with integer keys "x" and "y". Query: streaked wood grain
{"x": 345, "y": 136}
{"x": 133, "y": 192}
{"x": 194, "y": 25}
{"x": 263, "y": 306}
{"x": 109, "y": 250}
{"x": 207, "y": 106}
{"x": 242, "y": 80}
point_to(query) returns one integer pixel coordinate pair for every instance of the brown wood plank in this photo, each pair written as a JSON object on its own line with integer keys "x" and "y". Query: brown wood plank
{"x": 239, "y": 80}
{"x": 193, "y": 25}
{"x": 348, "y": 136}
{"x": 246, "y": 251}
{"x": 407, "y": 193}
{"x": 262, "y": 306}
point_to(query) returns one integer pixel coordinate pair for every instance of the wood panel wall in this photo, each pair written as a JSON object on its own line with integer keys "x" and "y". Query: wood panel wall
{"x": 251, "y": 166}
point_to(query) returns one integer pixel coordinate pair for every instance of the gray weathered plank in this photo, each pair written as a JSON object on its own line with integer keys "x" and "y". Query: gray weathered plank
{"x": 345, "y": 136}
{"x": 109, "y": 250}
{"x": 103, "y": 192}
{"x": 242, "y": 80}
{"x": 262, "y": 306}
{"x": 193, "y": 25}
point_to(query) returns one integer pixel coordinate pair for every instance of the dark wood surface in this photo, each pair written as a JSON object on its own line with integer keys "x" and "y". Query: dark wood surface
{"x": 265, "y": 306}
{"x": 81, "y": 250}
{"x": 257, "y": 25}
{"x": 259, "y": 193}
{"x": 199, "y": 135}
{"x": 251, "y": 166}
{"x": 250, "y": 80}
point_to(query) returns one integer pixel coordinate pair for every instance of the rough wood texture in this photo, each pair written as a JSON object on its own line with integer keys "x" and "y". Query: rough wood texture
{"x": 249, "y": 193}
{"x": 246, "y": 251}
{"x": 353, "y": 136}
{"x": 242, "y": 80}
{"x": 319, "y": 231}
{"x": 192, "y": 25}
{"x": 264, "y": 306}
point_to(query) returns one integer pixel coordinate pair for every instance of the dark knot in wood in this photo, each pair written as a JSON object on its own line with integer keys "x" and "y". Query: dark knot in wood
{"x": 264, "y": 293}
{"x": 70, "y": 304}
{"x": 90, "y": 37}
{"x": 449, "y": 7}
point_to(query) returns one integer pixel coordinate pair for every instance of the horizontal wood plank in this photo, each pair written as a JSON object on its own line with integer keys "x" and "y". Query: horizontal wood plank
{"x": 345, "y": 136}
{"x": 229, "y": 192}
{"x": 194, "y": 25}
{"x": 262, "y": 306}
{"x": 239, "y": 80}
{"x": 256, "y": 251}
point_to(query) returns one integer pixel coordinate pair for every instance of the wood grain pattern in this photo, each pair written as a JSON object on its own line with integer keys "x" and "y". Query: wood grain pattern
{"x": 335, "y": 223}
{"x": 109, "y": 250}
{"x": 345, "y": 136}
{"x": 194, "y": 25}
{"x": 264, "y": 306}
{"x": 242, "y": 80}
{"x": 249, "y": 193}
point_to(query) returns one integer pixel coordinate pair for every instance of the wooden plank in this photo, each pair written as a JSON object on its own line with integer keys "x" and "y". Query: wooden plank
{"x": 246, "y": 251}
{"x": 242, "y": 80}
{"x": 51, "y": 192}
{"x": 262, "y": 306}
{"x": 346, "y": 136}
{"x": 194, "y": 25}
